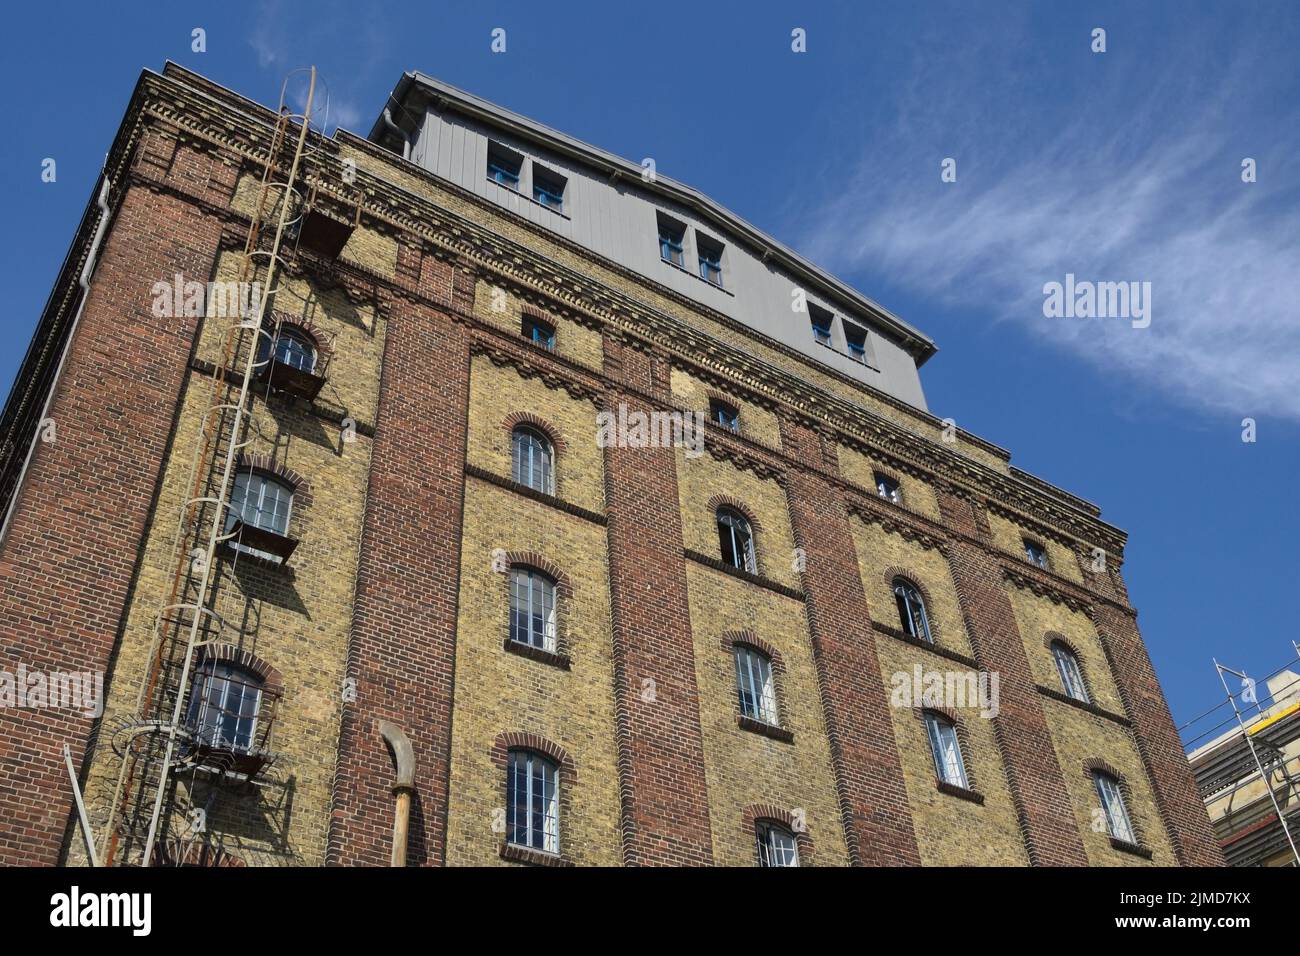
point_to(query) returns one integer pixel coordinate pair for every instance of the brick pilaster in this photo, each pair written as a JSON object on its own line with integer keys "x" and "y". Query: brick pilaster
{"x": 403, "y": 644}
{"x": 868, "y": 774}
{"x": 1157, "y": 739}
{"x": 663, "y": 792}
{"x": 1038, "y": 789}
{"x": 68, "y": 562}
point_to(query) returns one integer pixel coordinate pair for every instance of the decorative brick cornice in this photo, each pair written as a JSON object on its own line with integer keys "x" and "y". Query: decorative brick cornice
{"x": 898, "y": 522}
{"x": 1040, "y": 585}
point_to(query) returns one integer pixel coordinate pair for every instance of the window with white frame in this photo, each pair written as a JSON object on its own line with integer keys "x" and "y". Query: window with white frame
{"x": 911, "y": 611}
{"x": 292, "y": 347}
{"x": 533, "y": 802}
{"x": 532, "y": 609}
{"x": 261, "y": 501}
{"x": 736, "y": 540}
{"x": 224, "y": 700}
{"x": 776, "y": 845}
{"x": 532, "y": 459}
{"x": 1067, "y": 665}
{"x": 1111, "y": 795}
{"x": 754, "y": 684}
{"x": 945, "y": 747}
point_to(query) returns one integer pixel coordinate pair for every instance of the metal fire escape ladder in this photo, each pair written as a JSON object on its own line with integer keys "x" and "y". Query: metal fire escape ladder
{"x": 155, "y": 737}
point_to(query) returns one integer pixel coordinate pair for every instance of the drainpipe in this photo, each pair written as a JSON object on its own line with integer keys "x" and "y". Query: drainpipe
{"x": 403, "y": 786}
{"x": 86, "y": 272}
{"x": 406, "y": 140}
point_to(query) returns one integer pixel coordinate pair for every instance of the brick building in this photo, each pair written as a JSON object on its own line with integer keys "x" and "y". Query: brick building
{"x": 705, "y": 650}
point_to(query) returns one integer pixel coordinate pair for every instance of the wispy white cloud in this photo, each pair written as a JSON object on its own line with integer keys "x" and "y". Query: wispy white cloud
{"x": 1136, "y": 181}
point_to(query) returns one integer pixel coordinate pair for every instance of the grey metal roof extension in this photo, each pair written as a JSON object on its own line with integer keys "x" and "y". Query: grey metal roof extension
{"x": 415, "y": 88}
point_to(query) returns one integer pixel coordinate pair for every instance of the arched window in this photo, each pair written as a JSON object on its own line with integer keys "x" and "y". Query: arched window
{"x": 911, "y": 610}
{"x": 532, "y": 609}
{"x": 224, "y": 701}
{"x": 754, "y": 684}
{"x": 293, "y": 347}
{"x": 945, "y": 747}
{"x": 1067, "y": 665}
{"x": 533, "y": 802}
{"x": 261, "y": 501}
{"x": 532, "y": 458}
{"x": 776, "y": 845}
{"x": 1111, "y": 795}
{"x": 736, "y": 540}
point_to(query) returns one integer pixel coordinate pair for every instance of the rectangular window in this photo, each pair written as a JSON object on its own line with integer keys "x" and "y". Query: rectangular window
{"x": 533, "y": 802}
{"x": 1036, "y": 553}
{"x": 710, "y": 260}
{"x": 725, "y": 415}
{"x": 548, "y": 188}
{"x": 887, "y": 488}
{"x": 504, "y": 166}
{"x": 539, "y": 332}
{"x": 672, "y": 238}
{"x": 856, "y": 339}
{"x": 821, "y": 324}
{"x": 776, "y": 846}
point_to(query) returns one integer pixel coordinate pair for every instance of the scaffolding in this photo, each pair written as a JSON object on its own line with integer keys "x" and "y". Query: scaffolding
{"x": 180, "y": 723}
{"x": 1245, "y": 757}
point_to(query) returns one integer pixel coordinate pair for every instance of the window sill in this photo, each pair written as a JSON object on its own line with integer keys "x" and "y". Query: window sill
{"x": 542, "y": 656}
{"x": 698, "y": 278}
{"x": 1083, "y": 705}
{"x": 829, "y": 346}
{"x": 755, "y": 726}
{"x": 720, "y": 565}
{"x": 1135, "y": 849}
{"x": 961, "y": 793}
{"x": 900, "y": 635}
{"x": 525, "y": 854}
{"x": 474, "y": 471}
{"x": 527, "y": 198}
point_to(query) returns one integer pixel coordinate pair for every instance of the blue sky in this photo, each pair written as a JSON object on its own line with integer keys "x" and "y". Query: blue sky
{"x": 1124, "y": 165}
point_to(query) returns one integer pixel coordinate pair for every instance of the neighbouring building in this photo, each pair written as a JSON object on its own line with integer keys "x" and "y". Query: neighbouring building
{"x": 1231, "y": 771}
{"x": 550, "y": 508}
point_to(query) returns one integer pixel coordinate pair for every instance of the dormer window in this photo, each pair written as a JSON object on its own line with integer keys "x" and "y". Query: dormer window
{"x": 672, "y": 239}
{"x": 504, "y": 166}
{"x": 855, "y": 338}
{"x": 548, "y": 188}
{"x": 821, "y": 324}
{"x": 710, "y": 260}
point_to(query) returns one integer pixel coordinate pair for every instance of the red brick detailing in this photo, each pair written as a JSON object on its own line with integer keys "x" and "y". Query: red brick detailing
{"x": 1157, "y": 738}
{"x": 664, "y": 799}
{"x": 757, "y": 813}
{"x": 402, "y": 649}
{"x": 267, "y": 464}
{"x": 1037, "y": 785}
{"x": 735, "y": 504}
{"x": 531, "y": 559}
{"x": 272, "y": 682}
{"x": 748, "y": 638}
{"x": 514, "y": 740}
{"x": 868, "y": 775}
{"x": 552, "y": 434}
{"x": 68, "y": 561}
